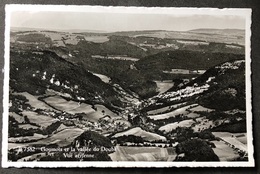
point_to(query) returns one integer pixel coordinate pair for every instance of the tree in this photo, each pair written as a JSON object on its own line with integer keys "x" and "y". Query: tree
{"x": 196, "y": 150}
{"x": 94, "y": 107}
{"x": 184, "y": 133}
{"x": 206, "y": 134}
{"x": 26, "y": 120}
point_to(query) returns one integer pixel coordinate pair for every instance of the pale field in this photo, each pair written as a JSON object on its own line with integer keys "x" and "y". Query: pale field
{"x": 196, "y": 36}
{"x": 59, "y": 43}
{"x": 158, "y": 111}
{"x": 163, "y": 86}
{"x": 236, "y": 143}
{"x": 227, "y": 137}
{"x": 201, "y": 109}
{"x": 233, "y": 46}
{"x": 192, "y": 42}
{"x": 62, "y": 138}
{"x": 222, "y": 134}
{"x": 58, "y": 37}
{"x": 53, "y": 35}
{"x": 224, "y": 152}
{"x": 148, "y": 136}
{"x": 18, "y": 118}
{"x": 150, "y": 144}
{"x": 61, "y": 127}
{"x": 34, "y": 102}
{"x": 51, "y": 92}
{"x": 242, "y": 137}
{"x": 96, "y": 39}
{"x": 155, "y": 46}
{"x": 39, "y": 119}
{"x": 104, "y": 78}
{"x": 182, "y": 110}
{"x": 116, "y": 57}
{"x": 192, "y": 115}
{"x": 28, "y": 126}
{"x": 173, "y": 126}
{"x": 73, "y": 107}
{"x": 124, "y": 153}
{"x": 26, "y": 138}
{"x": 68, "y": 106}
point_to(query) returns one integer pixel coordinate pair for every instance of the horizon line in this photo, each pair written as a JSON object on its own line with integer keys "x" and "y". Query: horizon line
{"x": 104, "y": 31}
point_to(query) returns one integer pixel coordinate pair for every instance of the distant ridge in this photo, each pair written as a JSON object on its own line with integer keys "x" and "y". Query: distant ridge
{"x": 59, "y": 30}
{"x": 199, "y": 30}
{"x": 217, "y": 31}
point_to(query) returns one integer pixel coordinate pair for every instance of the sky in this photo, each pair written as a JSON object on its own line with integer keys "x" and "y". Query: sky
{"x": 111, "y": 22}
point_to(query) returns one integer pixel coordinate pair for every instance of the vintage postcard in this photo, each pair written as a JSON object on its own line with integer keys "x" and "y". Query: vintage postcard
{"x": 127, "y": 87}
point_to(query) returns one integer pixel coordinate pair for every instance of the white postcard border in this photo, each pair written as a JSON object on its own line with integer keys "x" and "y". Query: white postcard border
{"x": 143, "y": 10}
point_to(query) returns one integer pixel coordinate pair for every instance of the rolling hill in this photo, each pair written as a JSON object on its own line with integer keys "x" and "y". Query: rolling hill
{"x": 226, "y": 79}
{"x": 36, "y": 71}
{"x": 220, "y": 92}
{"x": 154, "y": 66}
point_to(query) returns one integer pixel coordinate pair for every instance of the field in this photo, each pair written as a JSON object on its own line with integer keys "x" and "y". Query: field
{"x": 118, "y": 57}
{"x": 26, "y": 138}
{"x": 39, "y": 119}
{"x": 62, "y": 138}
{"x": 182, "y": 110}
{"x": 18, "y": 118}
{"x": 62, "y": 38}
{"x": 164, "y": 109}
{"x": 124, "y": 153}
{"x": 71, "y": 107}
{"x": 193, "y": 115}
{"x": 27, "y": 126}
{"x": 189, "y": 111}
{"x": 147, "y": 136}
{"x": 200, "y": 109}
{"x": 34, "y": 102}
{"x": 173, "y": 126}
{"x": 96, "y": 39}
{"x": 241, "y": 137}
{"x": 54, "y": 35}
{"x": 224, "y": 152}
{"x": 232, "y": 140}
{"x": 163, "y": 86}
{"x": 196, "y": 35}
{"x": 61, "y": 127}
{"x": 104, "y": 78}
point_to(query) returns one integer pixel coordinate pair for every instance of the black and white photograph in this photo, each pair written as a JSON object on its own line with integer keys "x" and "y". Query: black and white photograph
{"x": 95, "y": 86}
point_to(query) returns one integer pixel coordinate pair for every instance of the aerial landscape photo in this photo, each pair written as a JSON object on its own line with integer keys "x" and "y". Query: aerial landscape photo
{"x": 127, "y": 87}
